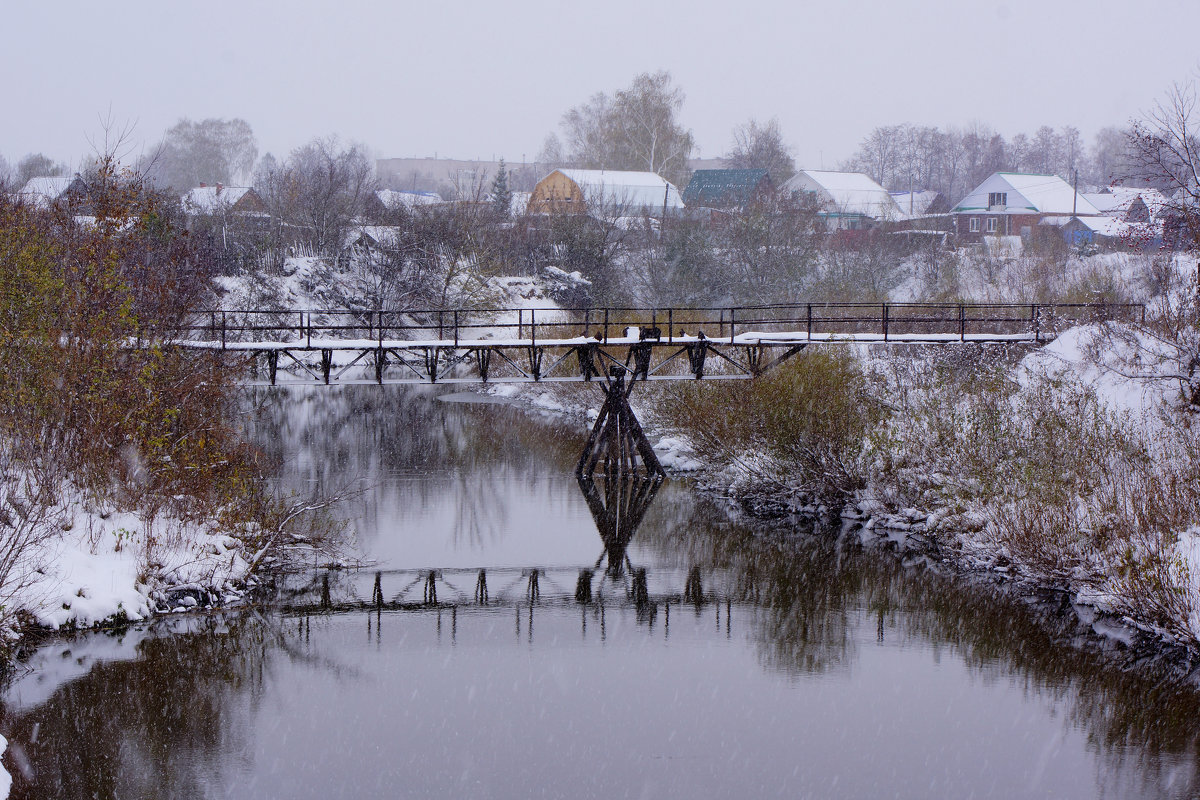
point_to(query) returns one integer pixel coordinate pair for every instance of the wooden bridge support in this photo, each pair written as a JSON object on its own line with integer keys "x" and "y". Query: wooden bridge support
{"x": 430, "y": 597}
{"x": 693, "y": 590}
{"x": 583, "y": 587}
{"x": 481, "y": 589}
{"x": 617, "y": 438}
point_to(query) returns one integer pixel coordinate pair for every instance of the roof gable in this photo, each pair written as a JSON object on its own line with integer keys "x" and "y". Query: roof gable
{"x": 846, "y": 193}
{"x": 1028, "y": 193}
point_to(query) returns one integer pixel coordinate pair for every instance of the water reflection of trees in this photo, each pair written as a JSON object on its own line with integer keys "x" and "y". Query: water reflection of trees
{"x": 161, "y": 726}
{"x": 816, "y": 590}
{"x": 408, "y": 446}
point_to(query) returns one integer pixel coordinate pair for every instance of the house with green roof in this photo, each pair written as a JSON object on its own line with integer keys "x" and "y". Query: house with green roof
{"x": 726, "y": 188}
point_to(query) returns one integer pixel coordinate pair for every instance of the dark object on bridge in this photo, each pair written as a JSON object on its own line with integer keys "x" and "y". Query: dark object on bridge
{"x": 377, "y": 592}
{"x": 693, "y": 590}
{"x": 481, "y": 590}
{"x": 430, "y": 597}
{"x": 583, "y": 587}
{"x": 534, "y": 592}
{"x": 326, "y": 602}
{"x": 646, "y": 334}
{"x": 641, "y": 594}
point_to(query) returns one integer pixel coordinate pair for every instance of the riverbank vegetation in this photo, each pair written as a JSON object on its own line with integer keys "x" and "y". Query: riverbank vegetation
{"x": 1077, "y": 465}
{"x": 125, "y": 485}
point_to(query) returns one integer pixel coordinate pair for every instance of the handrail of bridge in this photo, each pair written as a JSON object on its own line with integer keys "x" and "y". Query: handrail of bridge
{"x": 660, "y": 324}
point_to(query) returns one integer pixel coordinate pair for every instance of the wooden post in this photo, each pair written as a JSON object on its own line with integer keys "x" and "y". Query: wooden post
{"x": 670, "y": 324}
{"x": 809, "y": 326}
{"x": 606, "y": 325}
{"x": 732, "y": 333}
{"x": 456, "y": 329}
{"x": 885, "y": 322}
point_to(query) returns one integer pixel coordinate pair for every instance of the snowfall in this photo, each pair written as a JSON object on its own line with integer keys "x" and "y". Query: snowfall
{"x": 102, "y": 568}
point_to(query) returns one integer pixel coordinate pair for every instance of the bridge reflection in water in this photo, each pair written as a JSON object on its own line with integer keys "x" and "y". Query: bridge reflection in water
{"x": 619, "y": 478}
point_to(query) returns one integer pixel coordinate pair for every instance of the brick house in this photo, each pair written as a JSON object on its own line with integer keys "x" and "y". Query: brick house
{"x": 1013, "y": 204}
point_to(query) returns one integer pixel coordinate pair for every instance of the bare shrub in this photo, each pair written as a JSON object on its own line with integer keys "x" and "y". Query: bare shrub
{"x": 801, "y": 426}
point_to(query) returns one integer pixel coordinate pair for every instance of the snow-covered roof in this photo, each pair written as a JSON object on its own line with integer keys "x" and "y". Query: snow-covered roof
{"x": 1116, "y": 200}
{"x": 914, "y": 204}
{"x": 629, "y": 189}
{"x": 44, "y": 190}
{"x": 846, "y": 193}
{"x": 383, "y": 235}
{"x": 212, "y": 199}
{"x": 393, "y": 200}
{"x": 1027, "y": 194}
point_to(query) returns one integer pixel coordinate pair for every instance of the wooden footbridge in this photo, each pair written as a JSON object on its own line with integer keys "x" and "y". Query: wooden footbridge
{"x": 615, "y": 347}
{"x": 585, "y": 344}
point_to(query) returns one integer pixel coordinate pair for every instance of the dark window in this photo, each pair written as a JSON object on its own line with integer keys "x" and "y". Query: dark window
{"x": 997, "y": 199}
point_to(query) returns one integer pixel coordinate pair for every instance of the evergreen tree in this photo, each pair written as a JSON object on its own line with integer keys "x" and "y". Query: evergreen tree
{"x": 501, "y": 196}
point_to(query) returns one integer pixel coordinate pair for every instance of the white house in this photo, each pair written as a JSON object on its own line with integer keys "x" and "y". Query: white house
{"x": 848, "y": 200}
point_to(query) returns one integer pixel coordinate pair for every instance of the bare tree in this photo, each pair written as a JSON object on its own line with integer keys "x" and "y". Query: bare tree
{"x": 37, "y": 165}
{"x": 321, "y": 189}
{"x": 635, "y": 129}
{"x": 209, "y": 151}
{"x": 758, "y": 146}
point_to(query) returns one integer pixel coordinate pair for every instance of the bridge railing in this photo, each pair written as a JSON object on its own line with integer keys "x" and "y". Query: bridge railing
{"x": 525, "y": 326}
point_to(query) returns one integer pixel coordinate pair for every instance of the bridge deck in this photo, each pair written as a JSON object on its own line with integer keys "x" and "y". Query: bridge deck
{"x": 535, "y": 345}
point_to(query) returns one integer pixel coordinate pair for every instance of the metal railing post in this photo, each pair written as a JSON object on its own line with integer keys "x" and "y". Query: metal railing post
{"x": 456, "y": 328}
{"x": 731, "y": 324}
{"x": 808, "y": 325}
{"x": 670, "y": 324}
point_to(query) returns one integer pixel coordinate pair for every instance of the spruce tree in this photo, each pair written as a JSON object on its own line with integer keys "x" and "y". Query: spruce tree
{"x": 501, "y": 196}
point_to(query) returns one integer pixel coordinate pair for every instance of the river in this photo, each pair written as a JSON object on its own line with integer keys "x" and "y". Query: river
{"x": 803, "y": 663}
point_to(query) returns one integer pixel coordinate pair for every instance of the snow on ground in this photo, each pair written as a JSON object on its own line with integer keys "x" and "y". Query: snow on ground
{"x": 114, "y": 565}
{"x": 1066, "y": 358}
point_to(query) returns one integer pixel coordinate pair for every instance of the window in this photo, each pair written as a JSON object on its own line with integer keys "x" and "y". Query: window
{"x": 991, "y": 225}
{"x": 974, "y": 224}
{"x": 997, "y": 199}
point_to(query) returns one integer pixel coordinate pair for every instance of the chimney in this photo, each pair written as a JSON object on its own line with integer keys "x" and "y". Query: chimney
{"x": 203, "y": 185}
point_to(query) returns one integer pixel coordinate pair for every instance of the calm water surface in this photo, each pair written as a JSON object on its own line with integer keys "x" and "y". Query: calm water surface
{"x": 815, "y": 666}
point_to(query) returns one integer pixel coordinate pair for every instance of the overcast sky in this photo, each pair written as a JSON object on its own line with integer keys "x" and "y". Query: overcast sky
{"x": 466, "y": 79}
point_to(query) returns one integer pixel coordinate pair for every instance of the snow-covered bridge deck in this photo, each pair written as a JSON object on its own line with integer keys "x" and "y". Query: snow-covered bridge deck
{"x": 534, "y": 345}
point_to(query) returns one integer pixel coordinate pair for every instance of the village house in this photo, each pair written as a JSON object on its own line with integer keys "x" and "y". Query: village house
{"x": 218, "y": 200}
{"x": 380, "y": 203}
{"x": 916, "y": 205}
{"x": 64, "y": 190}
{"x": 1014, "y": 204}
{"x": 847, "y": 200}
{"x": 592, "y": 191}
{"x": 1129, "y": 203}
{"x": 727, "y": 188}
